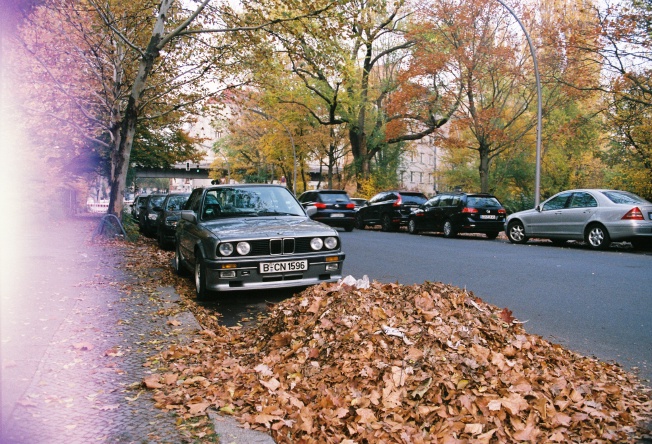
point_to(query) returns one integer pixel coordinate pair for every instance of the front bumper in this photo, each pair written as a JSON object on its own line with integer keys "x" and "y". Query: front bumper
{"x": 246, "y": 275}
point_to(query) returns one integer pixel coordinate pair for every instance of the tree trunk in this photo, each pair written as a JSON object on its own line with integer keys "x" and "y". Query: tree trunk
{"x": 484, "y": 169}
{"x": 122, "y": 153}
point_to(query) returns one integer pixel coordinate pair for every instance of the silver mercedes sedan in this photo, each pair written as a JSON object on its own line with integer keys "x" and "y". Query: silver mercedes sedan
{"x": 594, "y": 216}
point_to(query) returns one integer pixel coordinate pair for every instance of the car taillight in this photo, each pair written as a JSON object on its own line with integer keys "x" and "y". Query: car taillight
{"x": 634, "y": 214}
{"x": 469, "y": 210}
{"x": 398, "y": 202}
{"x": 502, "y": 211}
{"x": 350, "y": 206}
{"x": 320, "y": 205}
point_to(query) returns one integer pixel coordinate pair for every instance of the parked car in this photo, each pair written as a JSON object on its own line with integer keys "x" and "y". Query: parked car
{"x": 595, "y": 216}
{"x": 358, "y": 202}
{"x": 390, "y": 209}
{"x": 135, "y": 206}
{"x": 169, "y": 215}
{"x": 148, "y": 214}
{"x": 334, "y": 207}
{"x": 453, "y": 213}
{"x": 244, "y": 237}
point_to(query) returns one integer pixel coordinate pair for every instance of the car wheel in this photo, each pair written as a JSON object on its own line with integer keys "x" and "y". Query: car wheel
{"x": 349, "y": 228}
{"x": 176, "y": 263}
{"x": 597, "y": 237}
{"x": 516, "y": 232}
{"x": 386, "y": 223}
{"x": 449, "y": 230}
{"x": 200, "y": 277}
{"x": 359, "y": 223}
{"x": 493, "y": 235}
{"x": 412, "y": 227}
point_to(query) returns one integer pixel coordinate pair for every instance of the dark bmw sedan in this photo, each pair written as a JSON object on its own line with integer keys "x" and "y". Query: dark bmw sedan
{"x": 453, "y": 213}
{"x": 253, "y": 237}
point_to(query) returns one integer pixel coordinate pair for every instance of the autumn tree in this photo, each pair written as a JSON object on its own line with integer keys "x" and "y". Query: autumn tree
{"x": 171, "y": 59}
{"x": 348, "y": 63}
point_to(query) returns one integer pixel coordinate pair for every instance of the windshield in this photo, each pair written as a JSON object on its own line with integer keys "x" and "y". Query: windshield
{"x": 254, "y": 201}
{"x": 624, "y": 197}
{"x": 175, "y": 203}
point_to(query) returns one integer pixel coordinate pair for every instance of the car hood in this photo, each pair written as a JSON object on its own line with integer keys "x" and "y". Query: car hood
{"x": 266, "y": 227}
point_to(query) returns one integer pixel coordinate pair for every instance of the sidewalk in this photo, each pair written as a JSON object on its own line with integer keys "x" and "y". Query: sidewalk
{"x": 76, "y": 333}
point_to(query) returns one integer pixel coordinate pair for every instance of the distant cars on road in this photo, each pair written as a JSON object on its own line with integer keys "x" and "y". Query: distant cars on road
{"x": 391, "y": 209}
{"x": 453, "y": 213}
{"x": 253, "y": 236}
{"x": 595, "y": 216}
{"x": 334, "y": 207}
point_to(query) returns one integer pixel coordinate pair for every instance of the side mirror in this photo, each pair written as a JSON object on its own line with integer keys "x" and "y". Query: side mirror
{"x": 189, "y": 215}
{"x": 539, "y": 208}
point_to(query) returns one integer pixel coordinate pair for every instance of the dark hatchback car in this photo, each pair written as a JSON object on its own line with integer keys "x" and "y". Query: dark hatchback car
{"x": 169, "y": 216}
{"x": 459, "y": 213}
{"x": 390, "y": 209}
{"x": 334, "y": 207}
{"x": 135, "y": 206}
{"x": 148, "y": 215}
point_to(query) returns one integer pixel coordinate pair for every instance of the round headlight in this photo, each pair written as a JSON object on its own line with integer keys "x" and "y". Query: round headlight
{"x": 243, "y": 248}
{"x": 225, "y": 249}
{"x": 316, "y": 243}
{"x": 330, "y": 242}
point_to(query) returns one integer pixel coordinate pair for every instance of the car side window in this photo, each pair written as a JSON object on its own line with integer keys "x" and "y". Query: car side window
{"x": 433, "y": 202}
{"x": 583, "y": 200}
{"x": 556, "y": 203}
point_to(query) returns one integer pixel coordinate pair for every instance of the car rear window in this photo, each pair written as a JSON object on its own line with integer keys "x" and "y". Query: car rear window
{"x": 623, "y": 197}
{"x": 483, "y": 202}
{"x": 413, "y": 198}
{"x": 334, "y": 197}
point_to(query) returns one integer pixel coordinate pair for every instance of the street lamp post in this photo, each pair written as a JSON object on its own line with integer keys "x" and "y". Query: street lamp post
{"x": 537, "y": 172}
{"x": 294, "y": 150}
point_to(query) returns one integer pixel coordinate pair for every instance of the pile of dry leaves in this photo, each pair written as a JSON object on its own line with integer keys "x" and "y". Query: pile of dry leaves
{"x": 405, "y": 364}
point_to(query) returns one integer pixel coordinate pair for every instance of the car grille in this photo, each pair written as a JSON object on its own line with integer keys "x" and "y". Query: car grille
{"x": 288, "y": 245}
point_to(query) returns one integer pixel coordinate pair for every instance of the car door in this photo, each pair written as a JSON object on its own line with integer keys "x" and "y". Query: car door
{"x": 577, "y": 213}
{"x": 188, "y": 232}
{"x": 548, "y": 221}
{"x": 375, "y": 208}
{"x": 428, "y": 221}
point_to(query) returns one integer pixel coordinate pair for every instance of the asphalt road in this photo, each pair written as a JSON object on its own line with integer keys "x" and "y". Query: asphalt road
{"x": 595, "y": 303}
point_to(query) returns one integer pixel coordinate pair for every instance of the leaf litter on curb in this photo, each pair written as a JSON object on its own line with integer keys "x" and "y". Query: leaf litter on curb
{"x": 358, "y": 362}
{"x": 394, "y": 363}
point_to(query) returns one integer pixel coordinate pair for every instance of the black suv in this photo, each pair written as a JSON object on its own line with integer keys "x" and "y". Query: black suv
{"x": 390, "y": 209}
{"x": 169, "y": 216}
{"x": 334, "y": 207}
{"x": 149, "y": 209}
{"x": 453, "y": 213}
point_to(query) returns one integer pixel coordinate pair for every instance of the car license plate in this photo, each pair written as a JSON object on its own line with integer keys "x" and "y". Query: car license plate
{"x": 488, "y": 216}
{"x": 337, "y": 215}
{"x": 283, "y": 267}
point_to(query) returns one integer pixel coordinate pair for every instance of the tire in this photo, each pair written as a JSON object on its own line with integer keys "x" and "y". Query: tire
{"x": 177, "y": 264}
{"x": 493, "y": 235}
{"x": 200, "y": 277}
{"x": 359, "y": 223}
{"x": 386, "y": 223}
{"x": 412, "y": 227}
{"x": 597, "y": 237}
{"x": 349, "y": 228}
{"x": 449, "y": 229}
{"x": 516, "y": 232}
